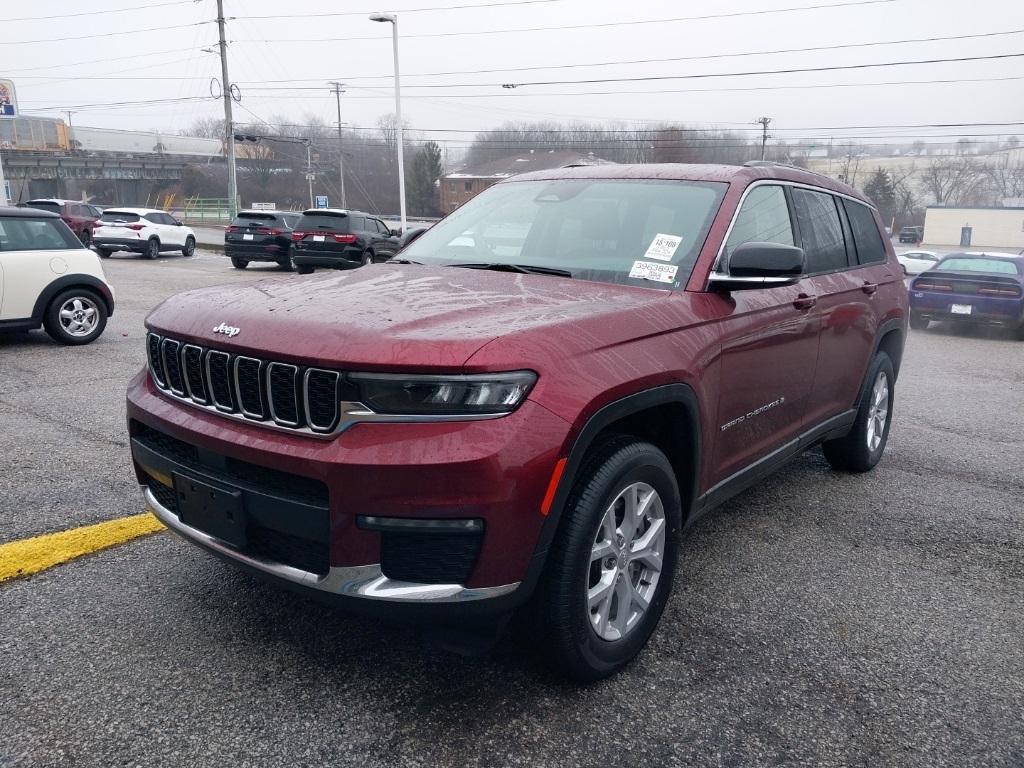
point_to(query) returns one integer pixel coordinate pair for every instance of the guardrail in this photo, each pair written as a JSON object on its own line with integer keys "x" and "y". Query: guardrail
{"x": 202, "y": 209}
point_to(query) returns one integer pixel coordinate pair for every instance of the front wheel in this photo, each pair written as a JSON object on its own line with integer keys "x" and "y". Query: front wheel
{"x": 918, "y": 322}
{"x": 611, "y": 565}
{"x": 76, "y": 316}
{"x": 190, "y": 247}
{"x": 153, "y": 249}
{"x": 239, "y": 263}
{"x": 862, "y": 448}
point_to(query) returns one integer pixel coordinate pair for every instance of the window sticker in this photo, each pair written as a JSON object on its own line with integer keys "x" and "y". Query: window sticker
{"x": 663, "y": 247}
{"x": 662, "y": 273}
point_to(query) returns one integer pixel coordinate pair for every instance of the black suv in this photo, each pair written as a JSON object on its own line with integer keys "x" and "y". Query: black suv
{"x": 326, "y": 237}
{"x": 260, "y": 236}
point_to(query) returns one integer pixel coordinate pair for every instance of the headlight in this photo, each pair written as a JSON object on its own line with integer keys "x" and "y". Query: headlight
{"x": 485, "y": 393}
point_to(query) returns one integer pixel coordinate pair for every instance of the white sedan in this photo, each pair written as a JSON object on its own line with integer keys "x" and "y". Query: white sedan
{"x": 916, "y": 262}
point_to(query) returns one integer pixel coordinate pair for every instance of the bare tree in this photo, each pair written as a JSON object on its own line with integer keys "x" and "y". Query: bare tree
{"x": 206, "y": 128}
{"x": 954, "y": 180}
{"x": 1005, "y": 179}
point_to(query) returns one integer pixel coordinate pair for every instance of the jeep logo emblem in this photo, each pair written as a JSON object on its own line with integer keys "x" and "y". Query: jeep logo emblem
{"x": 227, "y": 330}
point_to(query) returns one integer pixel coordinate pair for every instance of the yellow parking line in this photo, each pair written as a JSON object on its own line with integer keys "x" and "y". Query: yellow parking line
{"x": 28, "y": 556}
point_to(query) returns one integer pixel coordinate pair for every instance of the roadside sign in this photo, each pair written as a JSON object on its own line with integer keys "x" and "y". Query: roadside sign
{"x": 8, "y": 99}
{"x": 263, "y": 206}
{"x": 320, "y": 201}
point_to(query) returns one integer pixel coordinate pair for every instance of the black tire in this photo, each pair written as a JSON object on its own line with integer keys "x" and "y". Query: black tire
{"x": 152, "y": 248}
{"x": 286, "y": 263}
{"x": 190, "y": 247}
{"x": 854, "y": 453}
{"x": 87, "y": 299}
{"x": 563, "y": 607}
{"x": 304, "y": 269}
{"x": 918, "y": 322}
{"x": 86, "y": 238}
{"x": 904, "y": 269}
{"x": 239, "y": 263}
{"x": 103, "y": 253}
{"x": 367, "y": 258}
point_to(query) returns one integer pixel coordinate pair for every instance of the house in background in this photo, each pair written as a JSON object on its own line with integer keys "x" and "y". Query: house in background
{"x": 468, "y": 182}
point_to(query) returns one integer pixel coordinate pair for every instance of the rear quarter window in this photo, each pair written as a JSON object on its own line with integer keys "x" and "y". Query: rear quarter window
{"x": 866, "y": 238}
{"x": 21, "y": 234}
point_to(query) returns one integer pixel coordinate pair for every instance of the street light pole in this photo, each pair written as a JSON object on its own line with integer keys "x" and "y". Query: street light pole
{"x": 393, "y": 20}
{"x": 341, "y": 147}
{"x": 309, "y": 169}
{"x": 229, "y": 128}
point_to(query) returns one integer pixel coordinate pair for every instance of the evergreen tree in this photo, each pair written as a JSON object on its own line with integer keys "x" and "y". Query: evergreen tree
{"x": 882, "y": 192}
{"x": 426, "y": 170}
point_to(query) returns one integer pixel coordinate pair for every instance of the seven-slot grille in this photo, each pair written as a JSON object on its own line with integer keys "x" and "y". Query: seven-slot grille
{"x": 262, "y": 391}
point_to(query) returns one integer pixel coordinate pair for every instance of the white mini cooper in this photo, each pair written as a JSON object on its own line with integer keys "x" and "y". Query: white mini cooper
{"x": 48, "y": 278}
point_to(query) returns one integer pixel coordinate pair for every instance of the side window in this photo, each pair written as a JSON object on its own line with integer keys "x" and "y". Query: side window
{"x": 763, "y": 218}
{"x": 357, "y": 224}
{"x": 382, "y": 227}
{"x": 153, "y": 218}
{"x": 820, "y": 231}
{"x": 93, "y": 211}
{"x": 870, "y": 249}
{"x": 18, "y": 234}
{"x": 170, "y": 220}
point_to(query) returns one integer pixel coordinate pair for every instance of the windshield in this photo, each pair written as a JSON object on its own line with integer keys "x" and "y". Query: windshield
{"x": 998, "y": 266}
{"x": 636, "y": 232}
{"x": 44, "y": 205}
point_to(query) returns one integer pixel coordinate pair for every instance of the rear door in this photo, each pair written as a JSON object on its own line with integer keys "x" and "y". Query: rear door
{"x": 769, "y": 345}
{"x": 847, "y": 291}
{"x": 387, "y": 244}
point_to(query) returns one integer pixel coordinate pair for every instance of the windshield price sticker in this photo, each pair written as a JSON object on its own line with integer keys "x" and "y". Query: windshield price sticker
{"x": 662, "y": 273}
{"x": 663, "y": 247}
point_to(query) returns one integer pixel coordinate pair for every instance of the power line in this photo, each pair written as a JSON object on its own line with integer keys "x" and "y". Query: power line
{"x": 675, "y": 58}
{"x": 405, "y": 10}
{"x": 93, "y": 12}
{"x": 94, "y": 61}
{"x": 581, "y": 26}
{"x": 107, "y": 34}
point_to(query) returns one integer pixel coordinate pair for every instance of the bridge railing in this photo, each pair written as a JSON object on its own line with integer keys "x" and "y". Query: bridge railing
{"x": 207, "y": 209}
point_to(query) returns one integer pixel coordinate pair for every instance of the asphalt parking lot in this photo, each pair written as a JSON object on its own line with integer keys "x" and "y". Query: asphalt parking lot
{"x": 819, "y": 619}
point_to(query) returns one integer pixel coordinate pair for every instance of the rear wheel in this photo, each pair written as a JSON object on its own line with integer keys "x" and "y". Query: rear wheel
{"x": 286, "y": 263}
{"x": 86, "y": 237}
{"x": 304, "y": 269}
{"x": 611, "y": 564}
{"x": 239, "y": 263}
{"x": 190, "y": 247}
{"x": 862, "y": 448}
{"x": 153, "y": 248}
{"x": 367, "y": 258}
{"x": 76, "y": 316}
{"x": 103, "y": 252}
{"x": 918, "y": 322}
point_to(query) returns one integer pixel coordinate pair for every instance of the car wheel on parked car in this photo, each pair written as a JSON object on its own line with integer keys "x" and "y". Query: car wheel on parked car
{"x": 239, "y": 263}
{"x": 286, "y": 263}
{"x": 613, "y": 558}
{"x": 153, "y": 248}
{"x": 86, "y": 238}
{"x": 367, "y": 258}
{"x": 190, "y": 247}
{"x": 304, "y": 269}
{"x": 861, "y": 449}
{"x": 76, "y": 316}
{"x": 103, "y": 253}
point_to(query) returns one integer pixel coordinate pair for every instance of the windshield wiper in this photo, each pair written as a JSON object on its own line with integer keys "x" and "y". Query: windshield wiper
{"x": 525, "y": 269}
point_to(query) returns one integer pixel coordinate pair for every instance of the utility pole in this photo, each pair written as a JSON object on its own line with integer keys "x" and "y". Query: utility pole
{"x": 341, "y": 144}
{"x": 229, "y": 127}
{"x": 309, "y": 169}
{"x": 763, "y": 122}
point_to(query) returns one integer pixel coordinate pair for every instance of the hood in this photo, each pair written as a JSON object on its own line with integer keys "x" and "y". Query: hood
{"x": 390, "y": 316}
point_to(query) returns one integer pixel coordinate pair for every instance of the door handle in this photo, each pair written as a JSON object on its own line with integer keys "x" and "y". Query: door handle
{"x": 804, "y": 302}
{"x": 869, "y": 288}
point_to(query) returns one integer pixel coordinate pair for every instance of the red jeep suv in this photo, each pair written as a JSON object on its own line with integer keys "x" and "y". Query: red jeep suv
{"x": 532, "y": 401}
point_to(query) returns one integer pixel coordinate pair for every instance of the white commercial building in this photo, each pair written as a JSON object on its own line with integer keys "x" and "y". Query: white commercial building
{"x": 980, "y": 227}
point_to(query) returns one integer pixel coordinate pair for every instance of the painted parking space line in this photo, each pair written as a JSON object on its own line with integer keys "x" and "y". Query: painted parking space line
{"x": 28, "y": 556}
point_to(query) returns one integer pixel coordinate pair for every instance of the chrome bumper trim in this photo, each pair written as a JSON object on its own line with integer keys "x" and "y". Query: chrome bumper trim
{"x": 364, "y": 581}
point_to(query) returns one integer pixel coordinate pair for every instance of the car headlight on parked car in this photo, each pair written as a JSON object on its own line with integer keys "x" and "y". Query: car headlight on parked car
{"x": 485, "y": 393}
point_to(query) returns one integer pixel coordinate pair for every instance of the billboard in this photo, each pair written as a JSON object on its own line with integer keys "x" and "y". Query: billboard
{"x": 8, "y": 100}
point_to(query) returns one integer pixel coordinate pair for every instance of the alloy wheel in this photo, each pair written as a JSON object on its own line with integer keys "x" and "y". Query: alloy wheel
{"x": 878, "y": 411}
{"x": 626, "y": 561}
{"x": 79, "y": 316}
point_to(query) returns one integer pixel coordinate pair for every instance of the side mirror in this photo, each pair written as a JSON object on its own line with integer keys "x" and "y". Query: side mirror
{"x": 760, "y": 265}
{"x": 396, "y": 233}
{"x": 177, "y": 223}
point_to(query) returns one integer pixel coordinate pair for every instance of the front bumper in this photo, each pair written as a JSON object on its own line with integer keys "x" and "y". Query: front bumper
{"x": 494, "y": 471}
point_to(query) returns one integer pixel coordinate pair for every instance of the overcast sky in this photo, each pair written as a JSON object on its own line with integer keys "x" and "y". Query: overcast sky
{"x": 169, "y": 62}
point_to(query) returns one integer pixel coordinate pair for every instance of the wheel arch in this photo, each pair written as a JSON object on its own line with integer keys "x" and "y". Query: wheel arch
{"x": 71, "y": 281}
{"x": 891, "y": 339}
{"x": 667, "y": 416}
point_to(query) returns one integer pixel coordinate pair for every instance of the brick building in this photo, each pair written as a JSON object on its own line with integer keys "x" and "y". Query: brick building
{"x": 468, "y": 182}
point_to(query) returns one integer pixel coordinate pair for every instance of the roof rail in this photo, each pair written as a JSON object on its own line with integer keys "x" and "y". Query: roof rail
{"x": 776, "y": 164}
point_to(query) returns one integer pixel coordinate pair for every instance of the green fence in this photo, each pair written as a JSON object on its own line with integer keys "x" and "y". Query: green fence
{"x": 199, "y": 209}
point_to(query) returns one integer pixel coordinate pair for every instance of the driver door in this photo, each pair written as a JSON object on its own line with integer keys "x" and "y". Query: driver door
{"x": 769, "y": 346}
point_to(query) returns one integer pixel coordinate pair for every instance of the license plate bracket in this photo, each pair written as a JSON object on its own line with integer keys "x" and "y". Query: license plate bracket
{"x": 960, "y": 309}
{"x": 213, "y": 509}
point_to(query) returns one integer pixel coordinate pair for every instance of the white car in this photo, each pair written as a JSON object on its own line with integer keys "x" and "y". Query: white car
{"x": 142, "y": 230}
{"x": 48, "y": 278}
{"x": 916, "y": 262}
